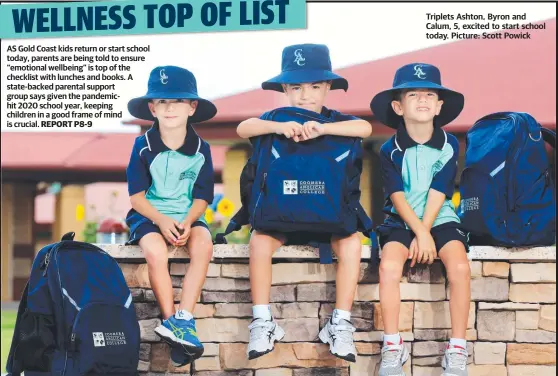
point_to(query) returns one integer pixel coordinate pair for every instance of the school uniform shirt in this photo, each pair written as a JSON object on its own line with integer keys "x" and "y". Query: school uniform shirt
{"x": 172, "y": 179}
{"x": 414, "y": 169}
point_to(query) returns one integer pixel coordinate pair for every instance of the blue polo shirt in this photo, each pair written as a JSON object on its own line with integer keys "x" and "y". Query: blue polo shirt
{"x": 171, "y": 179}
{"x": 414, "y": 169}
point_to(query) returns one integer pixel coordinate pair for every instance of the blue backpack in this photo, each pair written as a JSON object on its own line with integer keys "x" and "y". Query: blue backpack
{"x": 507, "y": 188}
{"x": 310, "y": 186}
{"x": 76, "y": 316}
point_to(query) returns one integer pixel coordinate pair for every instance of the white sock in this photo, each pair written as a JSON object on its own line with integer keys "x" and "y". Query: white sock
{"x": 339, "y": 314}
{"x": 392, "y": 338}
{"x": 458, "y": 342}
{"x": 262, "y": 311}
{"x": 182, "y": 314}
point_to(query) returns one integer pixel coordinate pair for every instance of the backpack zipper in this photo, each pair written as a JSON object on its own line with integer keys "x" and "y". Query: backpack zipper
{"x": 57, "y": 249}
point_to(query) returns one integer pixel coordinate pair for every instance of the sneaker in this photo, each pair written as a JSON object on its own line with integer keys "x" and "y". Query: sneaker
{"x": 340, "y": 339}
{"x": 393, "y": 358}
{"x": 181, "y": 333}
{"x": 179, "y": 356}
{"x": 454, "y": 362}
{"x": 263, "y": 335}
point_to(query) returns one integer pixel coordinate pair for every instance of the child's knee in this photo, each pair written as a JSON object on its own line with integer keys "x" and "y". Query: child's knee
{"x": 348, "y": 248}
{"x": 265, "y": 243}
{"x": 200, "y": 244}
{"x": 459, "y": 272}
{"x": 155, "y": 254}
{"x": 391, "y": 270}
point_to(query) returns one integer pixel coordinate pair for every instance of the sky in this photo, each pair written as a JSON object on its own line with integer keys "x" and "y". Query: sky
{"x": 227, "y": 63}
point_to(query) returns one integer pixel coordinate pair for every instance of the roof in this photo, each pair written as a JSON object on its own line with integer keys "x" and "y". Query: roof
{"x": 76, "y": 151}
{"x": 493, "y": 74}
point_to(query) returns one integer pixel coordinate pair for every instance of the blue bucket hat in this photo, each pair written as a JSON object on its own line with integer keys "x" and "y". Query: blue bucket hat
{"x": 170, "y": 82}
{"x": 417, "y": 76}
{"x": 303, "y": 63}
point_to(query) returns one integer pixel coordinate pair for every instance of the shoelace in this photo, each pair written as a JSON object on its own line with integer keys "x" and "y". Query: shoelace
{"x": 260, "y": 329}
{"x": 391, "y": 355}
{"x": 343, "y": 333}
{"x": 457, "y": 358}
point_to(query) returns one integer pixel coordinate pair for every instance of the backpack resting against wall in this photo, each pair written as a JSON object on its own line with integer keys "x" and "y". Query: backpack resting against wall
{"x": 76, "y": 315}
{"x": 507, "y": 189}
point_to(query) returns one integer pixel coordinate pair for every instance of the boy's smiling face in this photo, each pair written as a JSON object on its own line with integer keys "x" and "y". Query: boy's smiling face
{"x": 418, "y": 106}
{"x": 310, "y": 96}
{"x": 172, "y": 113}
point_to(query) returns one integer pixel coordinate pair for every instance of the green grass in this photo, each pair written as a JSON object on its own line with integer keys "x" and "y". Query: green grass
{"x": 8, "y": 323}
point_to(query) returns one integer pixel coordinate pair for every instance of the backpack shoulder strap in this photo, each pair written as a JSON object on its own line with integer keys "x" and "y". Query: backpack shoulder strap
{"x": 549, "y": 136}
{"x": 247, "y": 178}
{"x": 13, "y": 365}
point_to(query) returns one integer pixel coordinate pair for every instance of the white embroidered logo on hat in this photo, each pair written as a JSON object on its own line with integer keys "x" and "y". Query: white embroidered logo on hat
{"x": 299, "y": 59}
{"x": 419, "y": 72}
{"x": 164, "y": 77}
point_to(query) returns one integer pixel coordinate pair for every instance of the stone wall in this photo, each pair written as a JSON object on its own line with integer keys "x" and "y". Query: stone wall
{"x": 512, "y": 321}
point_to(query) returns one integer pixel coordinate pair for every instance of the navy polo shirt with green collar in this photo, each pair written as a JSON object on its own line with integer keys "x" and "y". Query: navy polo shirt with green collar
{"x": 171, "y": 179}
{"x": 414, "y": 169}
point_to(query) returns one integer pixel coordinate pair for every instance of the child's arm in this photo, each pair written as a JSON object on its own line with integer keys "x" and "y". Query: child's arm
{"x": 433, "y": 205}
{"x": 202, "y": 194}
{"x": 254, "y": 127}
{"x": 167, "y": 225}
{"x": 394, "y": 189}
{"x": 443, "y": 182}
{"x": 426, "y": 251}
{"x": 139, "y": 181}
{"x": 348, "y": 128}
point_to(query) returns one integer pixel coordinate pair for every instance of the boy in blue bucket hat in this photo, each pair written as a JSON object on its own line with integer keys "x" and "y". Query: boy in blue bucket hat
{"x": 170, "y": 182}
{"x": 306, "y": 79}
{"x": 419, "y": 164}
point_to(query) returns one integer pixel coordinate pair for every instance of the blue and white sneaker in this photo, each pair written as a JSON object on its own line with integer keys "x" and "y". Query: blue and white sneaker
{"x": 179, "y": 356}
{"x": 182, "y": 333}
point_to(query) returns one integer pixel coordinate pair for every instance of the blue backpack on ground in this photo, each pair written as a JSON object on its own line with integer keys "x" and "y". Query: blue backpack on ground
{"x": 311, "y": 186}
{"x": 76, "y": 316}
{"x": 507, "y": 188}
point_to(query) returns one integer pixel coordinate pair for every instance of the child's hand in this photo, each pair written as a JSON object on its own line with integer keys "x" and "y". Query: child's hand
{"x": 426, "y": 249}
{"x": 312, "y": 129}
{"x": 184, "y": 228}
{"x": 169, "y": 229}
{"x": 290, "y": 129}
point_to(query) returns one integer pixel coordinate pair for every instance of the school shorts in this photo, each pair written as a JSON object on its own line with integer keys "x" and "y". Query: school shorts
{"x": 140, "y": 226}
{"x": 441, "y": 234}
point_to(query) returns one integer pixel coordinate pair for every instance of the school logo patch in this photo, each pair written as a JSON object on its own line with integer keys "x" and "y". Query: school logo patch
{"x": 312, "y": 187}
{"x": 190, "y": 175}
{"x": 101, "y": 339}
{"x": 470, "y": 204}
{"x": 290, "y": 187}
{"x": 438, "y": 166}
{"x": 98, "y": 339}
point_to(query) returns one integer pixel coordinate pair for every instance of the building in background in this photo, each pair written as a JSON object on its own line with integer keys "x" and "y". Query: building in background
{"x": 494, "y": 75}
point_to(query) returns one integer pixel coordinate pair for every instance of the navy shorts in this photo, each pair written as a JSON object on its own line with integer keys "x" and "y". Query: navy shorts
{"x": 441, "y": 234}
{"x": 301, "y": 237}
{"x": 140, "y": 226}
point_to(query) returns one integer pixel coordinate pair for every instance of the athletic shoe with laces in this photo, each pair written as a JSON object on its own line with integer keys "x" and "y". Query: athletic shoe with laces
{"x": 340, "y": 339}
{"x": 263, "y": 335}
{"x": 181, "y": 333}
{"x": 393, "y": 358}
{"x": 454, "y": 362}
